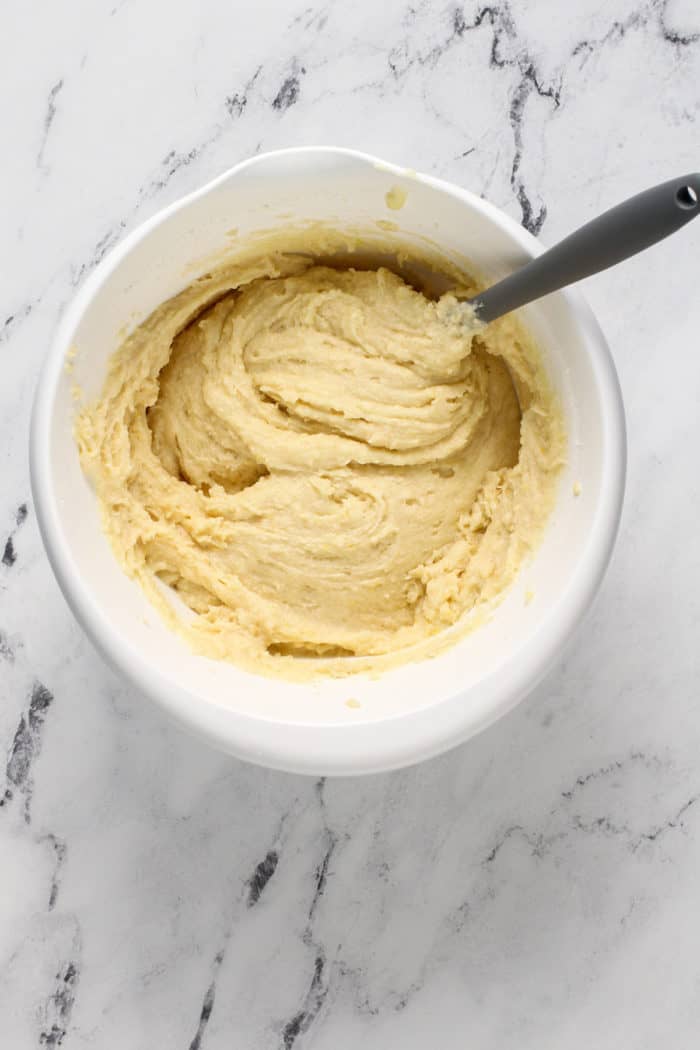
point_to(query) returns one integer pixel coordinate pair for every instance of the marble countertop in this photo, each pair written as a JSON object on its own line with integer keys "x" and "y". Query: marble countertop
{"x": 535, "y": 888}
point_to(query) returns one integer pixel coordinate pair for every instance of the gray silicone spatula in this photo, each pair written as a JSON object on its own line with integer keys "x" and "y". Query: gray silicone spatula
{"x": 615, "y": 235}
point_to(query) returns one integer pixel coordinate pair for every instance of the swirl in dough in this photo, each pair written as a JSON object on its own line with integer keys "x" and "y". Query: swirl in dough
{"x": 320, "y": 464}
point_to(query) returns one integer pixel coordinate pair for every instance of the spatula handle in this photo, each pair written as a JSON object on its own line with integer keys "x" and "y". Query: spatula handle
{"x": 615, "y": 235}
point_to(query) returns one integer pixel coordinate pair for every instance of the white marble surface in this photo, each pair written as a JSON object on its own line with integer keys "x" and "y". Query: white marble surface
{"x": 536, "y": 888}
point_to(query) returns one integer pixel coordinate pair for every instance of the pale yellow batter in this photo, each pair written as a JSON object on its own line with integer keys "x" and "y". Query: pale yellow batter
{"x": 321, "y": 462}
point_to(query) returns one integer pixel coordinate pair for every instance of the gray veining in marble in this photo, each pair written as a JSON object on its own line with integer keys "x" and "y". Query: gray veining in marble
{"x": 536, "y": 888}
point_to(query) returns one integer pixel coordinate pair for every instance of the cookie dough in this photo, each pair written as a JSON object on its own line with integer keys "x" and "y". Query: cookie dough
{"x": 321, "y": 463}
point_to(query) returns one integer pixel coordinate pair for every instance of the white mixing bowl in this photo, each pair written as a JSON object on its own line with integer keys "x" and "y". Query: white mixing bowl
{"x": 416, "y": 710}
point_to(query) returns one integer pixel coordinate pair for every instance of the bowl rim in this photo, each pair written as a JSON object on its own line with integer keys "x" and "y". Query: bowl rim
{"x": 335, "y": 749}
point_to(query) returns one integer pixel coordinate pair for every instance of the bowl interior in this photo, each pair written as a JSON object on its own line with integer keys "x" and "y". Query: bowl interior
{"x": 486, "y": 669}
